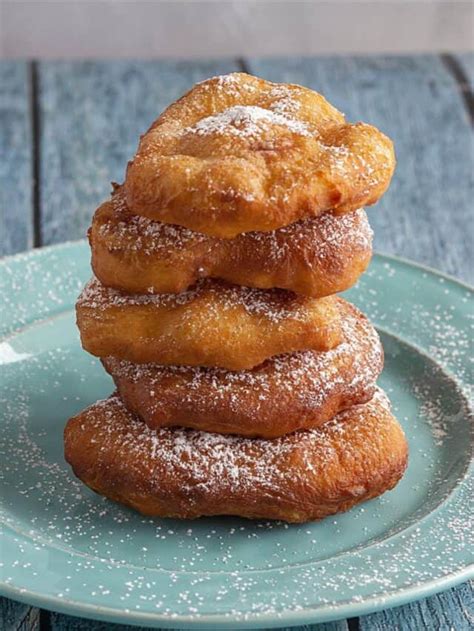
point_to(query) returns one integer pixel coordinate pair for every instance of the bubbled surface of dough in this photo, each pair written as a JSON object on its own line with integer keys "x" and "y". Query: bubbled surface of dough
{"x": 238, "y": 154}
{"x": 211, "y": 324}
{"x": 286, "y": 393}
{"x": 182, "y": 473}
{"x": 314, "y": 257}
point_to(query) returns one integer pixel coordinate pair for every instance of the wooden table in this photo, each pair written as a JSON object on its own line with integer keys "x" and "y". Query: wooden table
{"x": 67, "y": 130}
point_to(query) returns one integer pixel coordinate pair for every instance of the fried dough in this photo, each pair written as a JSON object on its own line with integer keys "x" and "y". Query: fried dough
{"x": 315, "y": 257}
{"x": 212, "y": 324}
{"x": 181, "y": 473}
{"x": 239, "y": 154}
{"x": 286, "y": 393}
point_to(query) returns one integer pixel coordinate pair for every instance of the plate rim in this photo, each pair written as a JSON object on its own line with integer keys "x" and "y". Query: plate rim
{"x": 326, "y": 613}
{"x": 322, "y": 613}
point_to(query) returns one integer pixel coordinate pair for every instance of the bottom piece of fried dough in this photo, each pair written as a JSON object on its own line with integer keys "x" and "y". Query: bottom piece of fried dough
{"x": 182, "y": 473}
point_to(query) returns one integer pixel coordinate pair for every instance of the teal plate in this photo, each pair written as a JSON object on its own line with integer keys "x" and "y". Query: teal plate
{"x": 67, "y": 549}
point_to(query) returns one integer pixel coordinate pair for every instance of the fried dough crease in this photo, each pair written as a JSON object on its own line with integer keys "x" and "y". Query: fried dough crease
{"x": 182, "y": 473}
{"x": 211, "y": 324}
{"x": 286, "y": 393}
{"x": 315, "y": 257}
{"x": 239, "y": 154}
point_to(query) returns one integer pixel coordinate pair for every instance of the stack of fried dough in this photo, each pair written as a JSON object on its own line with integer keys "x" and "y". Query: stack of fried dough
{"x": 245, "y": 386}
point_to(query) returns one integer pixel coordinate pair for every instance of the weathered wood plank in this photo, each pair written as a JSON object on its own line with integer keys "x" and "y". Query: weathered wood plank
{"x": 59, "y": 622}
{"x": 16, "y": 225}
{"x": 466, "y": 61}
{"x": 427, "y": 213}
{"x": 451, "y": 610}
{"x": 339, "y": 625}
{"x": 16, "y": 616}
{"x": 92, "y": 114}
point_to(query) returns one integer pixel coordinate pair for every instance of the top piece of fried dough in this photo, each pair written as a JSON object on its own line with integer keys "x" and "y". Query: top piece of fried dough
{"x": 315, "y": 257}
{"x": 238, "y": 154}
{"x": 211, "y": 324}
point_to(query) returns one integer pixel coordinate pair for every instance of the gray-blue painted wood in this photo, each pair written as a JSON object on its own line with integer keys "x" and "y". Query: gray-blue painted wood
{"x": 450, "y": 611}
{"x": 92, "y": 114}
{"x": 17, "y": 616}
{"x": 339, "y": 625}
{"x": 466, "y": 61}
{"x": 59, "y": 622}
{"x": 427, "y": 214}
{"x": 16, "y": 226}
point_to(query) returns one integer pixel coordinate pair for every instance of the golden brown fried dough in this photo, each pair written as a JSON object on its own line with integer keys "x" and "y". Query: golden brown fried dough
{"x": 182, "y": 473}
{"x": 239, "y": 154}
{"x": 212, "y": 324}
{"x": 286, "y": 393}
{"x": 316, "y": 257}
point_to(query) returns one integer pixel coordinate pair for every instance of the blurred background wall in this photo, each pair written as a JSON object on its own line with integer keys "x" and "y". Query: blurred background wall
{"x": 79, "y": 29}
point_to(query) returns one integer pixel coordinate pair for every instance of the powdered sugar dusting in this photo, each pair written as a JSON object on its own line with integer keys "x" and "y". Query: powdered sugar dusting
{"x": 283, "y": 99}
{"x": 274, "y": 305}
{"x": 331, "y": 237}
{"x": 143, "y": 234}
{"x": 246, "y": 121}
{"x": 216, "y": 462}
{"x": 229, "y": 83}
{"x": 333, "y": 234}
{"x": 308, "y": 379}
{"x": 148, "y": 235}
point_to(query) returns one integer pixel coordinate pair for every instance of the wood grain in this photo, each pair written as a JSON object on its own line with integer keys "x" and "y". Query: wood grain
{"x": 16, "y": 616}
{"x": 91, "y": 117}
{"x": 450, "y": 611}
{"x": 427, "y": 213}
{"x": 16, "y": 147}
{"x": 466, "y": 61}
{"x": 59, "y": 622}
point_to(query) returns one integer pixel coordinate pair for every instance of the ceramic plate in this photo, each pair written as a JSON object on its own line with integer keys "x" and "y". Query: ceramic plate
{"x": 67, "y": 549}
